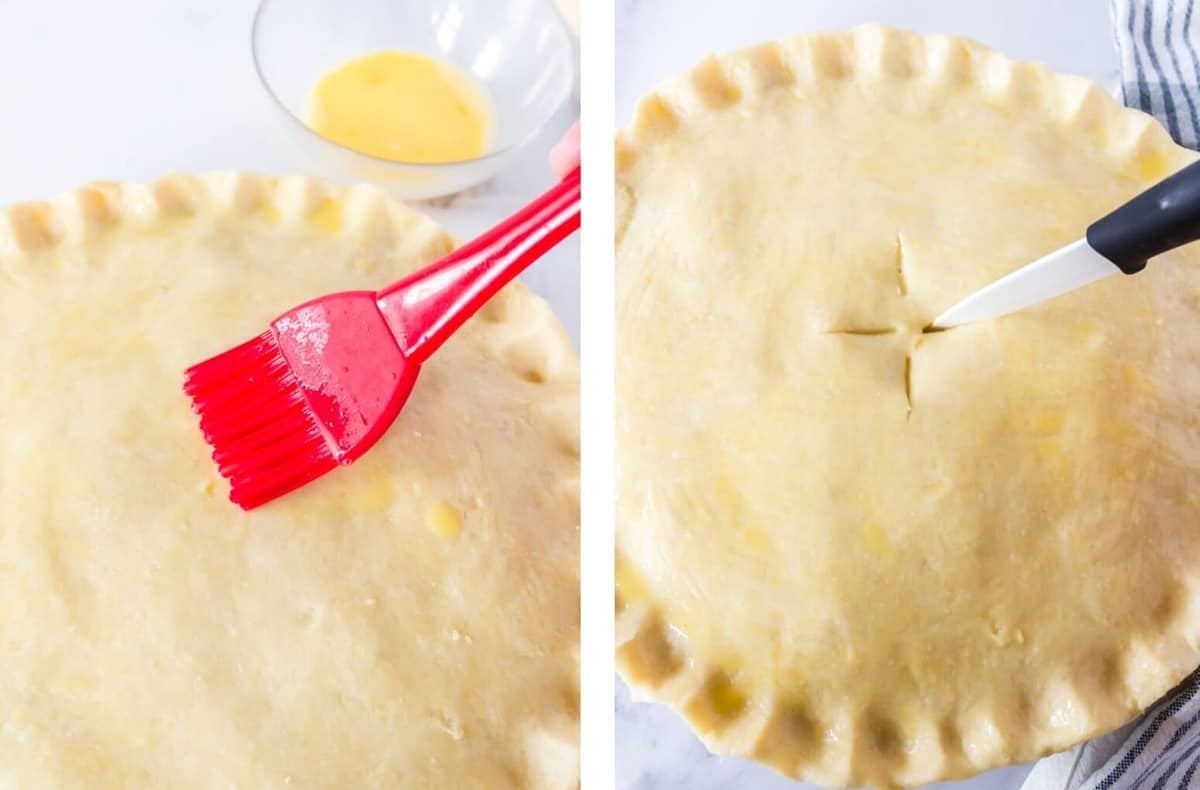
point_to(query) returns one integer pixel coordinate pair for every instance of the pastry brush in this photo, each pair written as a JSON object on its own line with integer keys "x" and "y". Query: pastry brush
{"x": 327, "y": 378}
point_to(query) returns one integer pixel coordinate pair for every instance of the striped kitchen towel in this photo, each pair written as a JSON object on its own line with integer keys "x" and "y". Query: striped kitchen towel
{"x": 1158, "y": 42}
{"x": 1159, "y": 751}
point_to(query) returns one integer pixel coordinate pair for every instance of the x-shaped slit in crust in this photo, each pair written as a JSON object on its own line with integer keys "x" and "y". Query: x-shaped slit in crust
{"x": 890, "y": 330}
{"x": 908, "y": 358}
{"x": 908, "y": 383}
{"x": 902, "y": 289}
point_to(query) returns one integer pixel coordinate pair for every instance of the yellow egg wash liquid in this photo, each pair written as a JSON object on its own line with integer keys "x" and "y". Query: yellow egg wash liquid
{"x": 404, "y": 107}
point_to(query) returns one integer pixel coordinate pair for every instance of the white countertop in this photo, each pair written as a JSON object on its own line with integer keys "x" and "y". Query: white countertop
{"x": 136, "y": 89}
{"x": 658, "y": 38}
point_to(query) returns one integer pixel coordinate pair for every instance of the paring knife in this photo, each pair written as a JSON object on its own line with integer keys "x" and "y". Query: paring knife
{"x": 1165, "y": 216}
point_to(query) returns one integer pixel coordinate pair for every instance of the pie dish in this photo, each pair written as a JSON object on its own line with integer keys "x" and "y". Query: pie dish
{"x": 851, "y": 549}
{"x": 410, "y": 621}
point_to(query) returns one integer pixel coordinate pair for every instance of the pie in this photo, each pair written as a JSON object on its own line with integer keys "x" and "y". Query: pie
{"x": 852, "y": 549}
{"x": 409, "y": 621}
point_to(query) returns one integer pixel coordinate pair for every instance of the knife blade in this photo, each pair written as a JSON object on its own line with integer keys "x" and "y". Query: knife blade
{"x": 1064, "y": 270}
{"x": 1165, "y": 216}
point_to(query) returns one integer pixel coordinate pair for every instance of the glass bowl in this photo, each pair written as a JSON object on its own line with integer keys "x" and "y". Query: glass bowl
{"x": 518, "y": 50}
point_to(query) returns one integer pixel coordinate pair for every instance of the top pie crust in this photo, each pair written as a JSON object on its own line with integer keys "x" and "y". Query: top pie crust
{"x": 411, "y": 621}
{"x": 853, "y": 551}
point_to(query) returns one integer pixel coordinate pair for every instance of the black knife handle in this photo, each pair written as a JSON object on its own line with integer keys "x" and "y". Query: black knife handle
{"x": 1165, "y": 216}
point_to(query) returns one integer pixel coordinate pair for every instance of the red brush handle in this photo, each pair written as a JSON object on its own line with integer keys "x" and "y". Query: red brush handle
{"x": 426, "y": 308}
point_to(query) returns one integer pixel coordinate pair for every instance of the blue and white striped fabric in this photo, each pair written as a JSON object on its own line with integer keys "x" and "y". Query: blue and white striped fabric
{"x": 1159, "y": 45}
{"x": 1158, "y": 42}
{"x": 1160, "y": 751}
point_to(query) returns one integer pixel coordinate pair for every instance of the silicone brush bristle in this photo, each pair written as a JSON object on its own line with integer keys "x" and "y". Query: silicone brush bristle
{"x": 265, "y": 439}
{"x": 357, "y": 354}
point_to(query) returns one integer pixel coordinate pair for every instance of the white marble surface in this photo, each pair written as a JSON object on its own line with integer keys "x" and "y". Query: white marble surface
{"x": 658, "y": 38}
{"x": 136, "y": 89}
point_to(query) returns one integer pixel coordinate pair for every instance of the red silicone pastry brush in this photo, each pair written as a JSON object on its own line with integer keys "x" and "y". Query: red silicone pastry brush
{"x": 328, "y": 378}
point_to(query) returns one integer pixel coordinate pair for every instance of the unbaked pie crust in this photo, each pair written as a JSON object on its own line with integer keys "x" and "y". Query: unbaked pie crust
{"x": 851, "y": 550}
{"x": 411, "y": 621}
